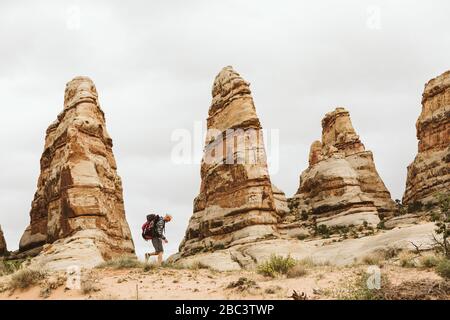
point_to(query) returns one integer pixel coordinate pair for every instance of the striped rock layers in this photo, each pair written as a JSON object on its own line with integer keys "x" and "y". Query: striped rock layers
{"x": 429, "y": 174}
{"x": 79, "y": 194}
{"x": 237, "y": 202}
{"x": 341, "y": 186}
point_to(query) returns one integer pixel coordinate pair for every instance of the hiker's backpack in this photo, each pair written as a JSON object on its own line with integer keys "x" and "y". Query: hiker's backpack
{"x": 149, "y": 226}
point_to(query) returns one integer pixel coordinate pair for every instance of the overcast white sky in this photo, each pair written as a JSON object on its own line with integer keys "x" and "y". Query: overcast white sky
{"x": 154, "y": 63}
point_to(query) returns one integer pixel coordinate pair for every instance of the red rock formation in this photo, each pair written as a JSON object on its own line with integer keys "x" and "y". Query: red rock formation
{"x": 78, "y": 188}
{"x": 237, "y": 203}
{"x": 3, "y": 248}
{"x": 341, "y": 184}
{"x": 429, "y": 174}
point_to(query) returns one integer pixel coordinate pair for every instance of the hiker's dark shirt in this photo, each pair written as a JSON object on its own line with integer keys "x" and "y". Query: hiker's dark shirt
{"x": 159, "y": 228}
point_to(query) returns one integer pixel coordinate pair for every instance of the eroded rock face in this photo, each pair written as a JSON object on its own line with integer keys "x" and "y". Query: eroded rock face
{"x": 78, "y": 188}
{"x": 339, "y": 253}
{"x": 341, "y": 186}
{"x": 237, "y": 203}
{"x": 429, "y": 174}
{"x": 3, "y": 248}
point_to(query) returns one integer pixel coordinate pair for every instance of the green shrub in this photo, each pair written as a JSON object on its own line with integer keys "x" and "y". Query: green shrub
{"x": 219, "y": 246}
{"x": 435, "y": 216}
{"x": 443, "y": 225}
{"x": 292, "y": 204}
{"x": 276, "y": 265}
{"x": 406, "y": 260}
{"x": 323, "y": 230}
{"x": 360, "y": 291}
{"x": 304, "y": 215}
{"x": 443, "y": 268}
{"x": 25, "y": 278}
{"x": 429, "y": 261}
{"x": 381, "y": 225}
{"x": 414, "y": 206}
{"x": 125, "y": 262}
{"x": 9, "y": 266}
{"x": 302, "y": 236}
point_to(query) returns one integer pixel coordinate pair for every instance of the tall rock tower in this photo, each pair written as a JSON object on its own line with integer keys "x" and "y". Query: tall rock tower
{"x": 3, "y": 248}
{"x": 237, "y": 202}
{"x": 79, "y": 194}
{"x": 429, "y": 174}
{"x": 341, "y": 186}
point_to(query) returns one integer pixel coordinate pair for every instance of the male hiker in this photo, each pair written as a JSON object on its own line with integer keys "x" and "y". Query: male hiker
{"x": 154, "y": 230}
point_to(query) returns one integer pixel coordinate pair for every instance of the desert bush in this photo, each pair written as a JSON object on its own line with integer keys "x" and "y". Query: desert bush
{"x": 429, "y": 261}
{"x": 302, "y": 236}
{"x": 198, "y": 265}
{"x": 219, "y": 246}
{"x": 150, "y": 266}
{"x": 52, "y": 283}
{"x": 276, "y": 265}
{"x": 292, "y": 204}
{"x": 443, "y": 268}
{"x": 273, "y": 289}
{"x": 359, "y": 290}
{"x": 304, "y": 215}
{"x": 25, "y": 278}
{"x": 88, "y": 284}
{"x": 391, "y": 252}
{"x": 429, "y": 206}
{"x": 435, "y": 216}
{"x": 323, "y": 230}
{"x": 243, "y": 284}
{"x": 443, "y": 224}
{"x": 125, "y": 262}
{"x": 381, "y": 225}
{"x": 9, "y": 266}
{"x": 375, "y": 258}
{"x": 407, "y": 260}
{"x": 297, "y": 271}
{"x": 414, "y": 206}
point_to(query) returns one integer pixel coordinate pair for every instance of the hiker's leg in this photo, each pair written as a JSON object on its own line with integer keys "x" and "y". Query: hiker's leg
{"x": 160, "y": 257}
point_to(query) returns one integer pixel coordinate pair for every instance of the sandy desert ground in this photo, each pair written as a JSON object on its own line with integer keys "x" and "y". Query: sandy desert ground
{"x": 311, "y": 283}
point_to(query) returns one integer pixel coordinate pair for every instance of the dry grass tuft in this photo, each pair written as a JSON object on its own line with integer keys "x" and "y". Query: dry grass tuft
{"x": 125, "y": 262}
{"x": 297, "y": 271}
{"x": 407, "y": 259}
{"x": 26, "y": 278}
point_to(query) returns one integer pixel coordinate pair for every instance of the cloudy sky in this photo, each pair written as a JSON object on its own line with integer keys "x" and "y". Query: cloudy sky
{"x": 154, "y": 63}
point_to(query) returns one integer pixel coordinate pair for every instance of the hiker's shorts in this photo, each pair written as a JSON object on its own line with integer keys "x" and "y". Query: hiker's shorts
{"x": 157, "y": 244}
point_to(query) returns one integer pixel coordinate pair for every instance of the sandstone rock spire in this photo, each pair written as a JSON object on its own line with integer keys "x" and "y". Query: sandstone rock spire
{"x": 429, "y": 174}
{"x": 237, "y": 202}
{"x": 341, "y": 186}
{"x": 79, "y": 194}
{"x": 3, "y": 248}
